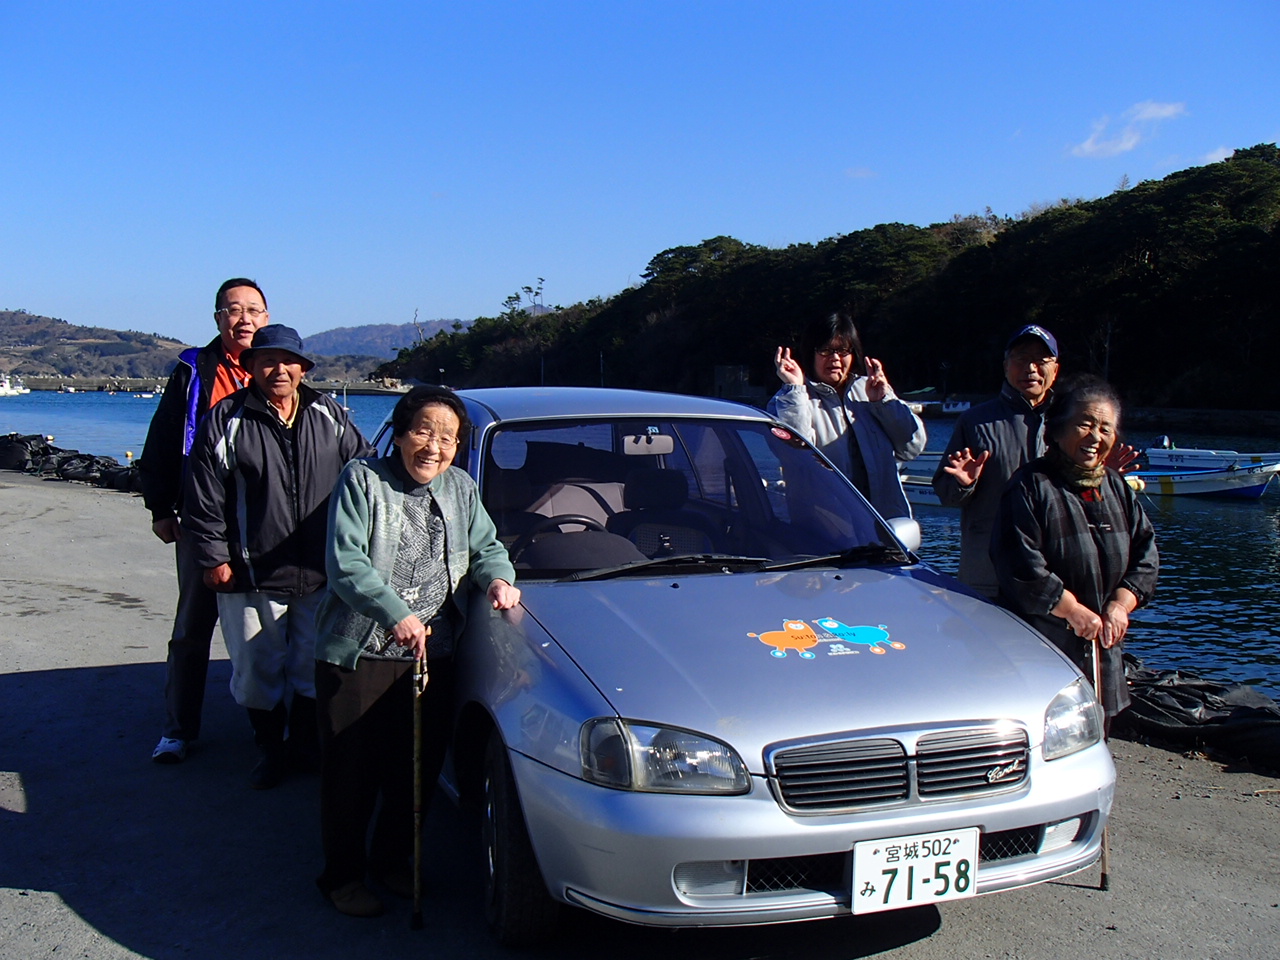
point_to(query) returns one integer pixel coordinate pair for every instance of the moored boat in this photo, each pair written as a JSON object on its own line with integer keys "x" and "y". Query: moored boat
{"x": 1243, "y": 482}
{"x": 1163, "y": 455}
{"x": 1246, "y": 481}
{"x": 12, "y": 387}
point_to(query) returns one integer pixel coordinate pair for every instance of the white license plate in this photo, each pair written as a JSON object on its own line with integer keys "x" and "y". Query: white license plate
{"x": 914, "y": 870}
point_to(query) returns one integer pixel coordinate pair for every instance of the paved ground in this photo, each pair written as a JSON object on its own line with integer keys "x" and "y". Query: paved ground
{"x": 104, "y": 854}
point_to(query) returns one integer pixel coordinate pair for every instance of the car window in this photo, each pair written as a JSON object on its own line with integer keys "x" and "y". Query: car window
{"x": 570, "y": 495}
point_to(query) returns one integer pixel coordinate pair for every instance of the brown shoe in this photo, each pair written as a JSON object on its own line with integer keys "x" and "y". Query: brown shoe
{"x": 356, "y": 900}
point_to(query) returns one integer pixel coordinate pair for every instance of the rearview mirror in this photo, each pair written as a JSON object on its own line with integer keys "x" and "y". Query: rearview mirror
{"x": 649, "y": 444}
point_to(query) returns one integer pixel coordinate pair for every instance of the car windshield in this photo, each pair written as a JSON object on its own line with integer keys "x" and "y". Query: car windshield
{"x": 622, "y": 497}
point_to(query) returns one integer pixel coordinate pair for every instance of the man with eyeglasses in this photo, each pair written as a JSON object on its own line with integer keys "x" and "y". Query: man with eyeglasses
{"x": 990, "y": 442}
{"x": 256, "y": 507}
{"x": 202, "y": 377}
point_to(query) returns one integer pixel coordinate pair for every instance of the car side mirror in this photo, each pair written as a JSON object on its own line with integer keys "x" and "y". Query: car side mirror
{"x": 907, "y": 531}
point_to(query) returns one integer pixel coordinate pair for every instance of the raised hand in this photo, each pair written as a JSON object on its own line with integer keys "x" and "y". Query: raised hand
{"x": 1123, "y": 458}
{"x": 965, "y": 467}
{"x": 877, "y": 383}
{"x": 789, "y": 371}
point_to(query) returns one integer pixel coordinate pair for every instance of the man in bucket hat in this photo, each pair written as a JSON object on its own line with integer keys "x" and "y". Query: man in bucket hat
{"x": 256, "y": 508}
{"x": 990, "y": 442}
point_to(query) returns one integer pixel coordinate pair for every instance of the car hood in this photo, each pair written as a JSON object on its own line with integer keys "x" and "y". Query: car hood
{"x": 758, "y": 658}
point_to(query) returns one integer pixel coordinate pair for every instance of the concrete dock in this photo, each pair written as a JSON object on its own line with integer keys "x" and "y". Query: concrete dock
{"x": 104, "y": 854}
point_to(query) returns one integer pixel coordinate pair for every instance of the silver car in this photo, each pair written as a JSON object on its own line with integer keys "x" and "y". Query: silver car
{"x": 732, "y": 694}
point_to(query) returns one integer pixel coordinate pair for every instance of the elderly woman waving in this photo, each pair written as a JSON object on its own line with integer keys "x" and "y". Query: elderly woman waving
{"x": 839, "y": 399}
{"x": 408, "y": 542}
{"x": 1073, "y": 549}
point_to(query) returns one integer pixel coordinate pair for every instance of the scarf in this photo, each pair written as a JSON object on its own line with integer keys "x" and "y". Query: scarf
{"x": 1074, "y": 476}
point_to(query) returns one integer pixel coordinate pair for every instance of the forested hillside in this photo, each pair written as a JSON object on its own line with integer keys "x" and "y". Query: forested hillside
{"x": 36, "y": 346}
{"x": 1170, "y": 288}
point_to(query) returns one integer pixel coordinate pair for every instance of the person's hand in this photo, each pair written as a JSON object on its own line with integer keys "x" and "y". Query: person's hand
{"x": 410, "y": 633}
{"x": 1123, "y": 458}
{"x": 877, "y": 383}
{"x": 965, "y": 467}
{"x": 220, "y": 578}
{"x": 789, "y": 371}
{"x": 1082, "y": 621}
{"x": 168, "y": 529}
{"x": 503, "y": 595}
{"x": 1115, "y": 623}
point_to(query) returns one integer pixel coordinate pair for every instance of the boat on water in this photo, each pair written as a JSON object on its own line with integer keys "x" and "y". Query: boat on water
{"x": 1247, "y": 481}
{"x": 1163, "y": 455}
{"x": 12, "y": 387}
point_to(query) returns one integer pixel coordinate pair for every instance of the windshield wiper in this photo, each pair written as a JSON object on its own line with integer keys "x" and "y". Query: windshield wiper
{"x": 705, "y": 562}
{"x": 868, "y": 553}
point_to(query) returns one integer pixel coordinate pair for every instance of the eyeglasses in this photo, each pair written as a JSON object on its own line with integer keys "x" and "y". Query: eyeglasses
{"x": 430, "y": 436}
{"x": 828, "y": 352}
{"x": 235, "y": 312}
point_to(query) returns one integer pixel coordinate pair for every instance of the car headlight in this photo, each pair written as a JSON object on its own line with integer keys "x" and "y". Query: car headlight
{"x": 653, "y": 759}
{"x": 1072, "y": 722}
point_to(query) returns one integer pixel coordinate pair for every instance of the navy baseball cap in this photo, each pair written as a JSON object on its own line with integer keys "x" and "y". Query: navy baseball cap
{"x": 276, "y": 336}
{"x": 1030, "y": 330}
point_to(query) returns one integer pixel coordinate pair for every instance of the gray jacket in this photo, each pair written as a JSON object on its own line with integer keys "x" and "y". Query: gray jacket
{"x": 886, "y": 432}
{"x": 1013, "y": 431}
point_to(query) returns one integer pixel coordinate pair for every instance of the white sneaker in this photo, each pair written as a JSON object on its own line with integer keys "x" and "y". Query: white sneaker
{"x": 169, "y": 750}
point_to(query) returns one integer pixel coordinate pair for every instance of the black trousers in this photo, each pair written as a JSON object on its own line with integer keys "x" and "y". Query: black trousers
{"x": 366, "y": 745}
{"x": 188, "y": 667}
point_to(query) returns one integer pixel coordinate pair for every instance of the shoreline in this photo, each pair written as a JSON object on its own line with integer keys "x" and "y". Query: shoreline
{"x": 108, "y": 855}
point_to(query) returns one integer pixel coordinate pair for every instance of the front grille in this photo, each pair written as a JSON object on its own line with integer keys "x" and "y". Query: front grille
{"x": 970, "y": 761}
{"x": 851, "y": 774}
{"x": 824, "y": 872}
{"x": 1007, "y": 844}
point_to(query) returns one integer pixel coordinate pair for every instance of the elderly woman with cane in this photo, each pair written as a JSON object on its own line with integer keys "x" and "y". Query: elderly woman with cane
{"x": 408, "y": 541}
{"x": 1073, "y": 549}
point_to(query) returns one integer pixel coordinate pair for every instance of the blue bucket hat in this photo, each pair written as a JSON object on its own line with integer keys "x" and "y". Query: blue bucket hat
{"x": 276, "y": 336}
{"x": 1030, "y": 330}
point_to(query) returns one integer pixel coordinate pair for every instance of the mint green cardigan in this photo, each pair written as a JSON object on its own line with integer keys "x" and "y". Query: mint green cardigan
{"x": 366, "y": 512}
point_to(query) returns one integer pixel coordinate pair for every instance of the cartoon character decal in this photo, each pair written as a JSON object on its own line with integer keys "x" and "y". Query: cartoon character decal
{"x": 840, "y": 638}
{"x": 794, "y": 635}
{"x": 871, "y": 637}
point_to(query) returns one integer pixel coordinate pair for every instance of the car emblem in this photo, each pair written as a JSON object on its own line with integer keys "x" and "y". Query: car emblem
{"x": 1004, "y": 771}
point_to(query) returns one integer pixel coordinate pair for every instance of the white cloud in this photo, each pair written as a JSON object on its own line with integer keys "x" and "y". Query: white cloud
{"x": 1150, "y": 110}
{"x": 860, "y": 173}
{"x": 1214, "y": 156}
{"x": 1141, "y": 121}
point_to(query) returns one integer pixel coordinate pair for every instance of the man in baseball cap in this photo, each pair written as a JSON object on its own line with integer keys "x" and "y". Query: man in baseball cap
{"x": 991, "y": 441}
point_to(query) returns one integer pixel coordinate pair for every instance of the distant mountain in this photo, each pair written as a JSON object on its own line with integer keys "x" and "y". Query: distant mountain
{"x": 381, "y": 340}
{"x": 36, "y": 346}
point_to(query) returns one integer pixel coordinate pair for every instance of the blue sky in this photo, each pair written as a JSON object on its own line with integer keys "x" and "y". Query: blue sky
{"x": 366, "y": 160}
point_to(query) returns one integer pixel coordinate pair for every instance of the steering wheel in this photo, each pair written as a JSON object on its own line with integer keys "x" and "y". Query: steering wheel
{"x": 546, "y": 523}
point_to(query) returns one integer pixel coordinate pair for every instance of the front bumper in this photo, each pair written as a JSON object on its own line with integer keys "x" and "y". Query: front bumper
{"x": 616, "y": 852}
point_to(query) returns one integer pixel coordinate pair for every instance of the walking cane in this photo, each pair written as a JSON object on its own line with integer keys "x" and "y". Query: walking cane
{"x": 419, "y": 685}
{"x": 1104, "y": 883}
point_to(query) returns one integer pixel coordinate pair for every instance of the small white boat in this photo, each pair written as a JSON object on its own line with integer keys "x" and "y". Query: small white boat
{"x": 12, "y": 387}
{"x": 919, "y": 491}
{"x": 1244, "y": 481}
{"x": 1163, "y": 455}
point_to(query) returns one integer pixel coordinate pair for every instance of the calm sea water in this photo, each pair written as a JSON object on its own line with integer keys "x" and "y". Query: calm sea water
{"x": 1217, "y": 609}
